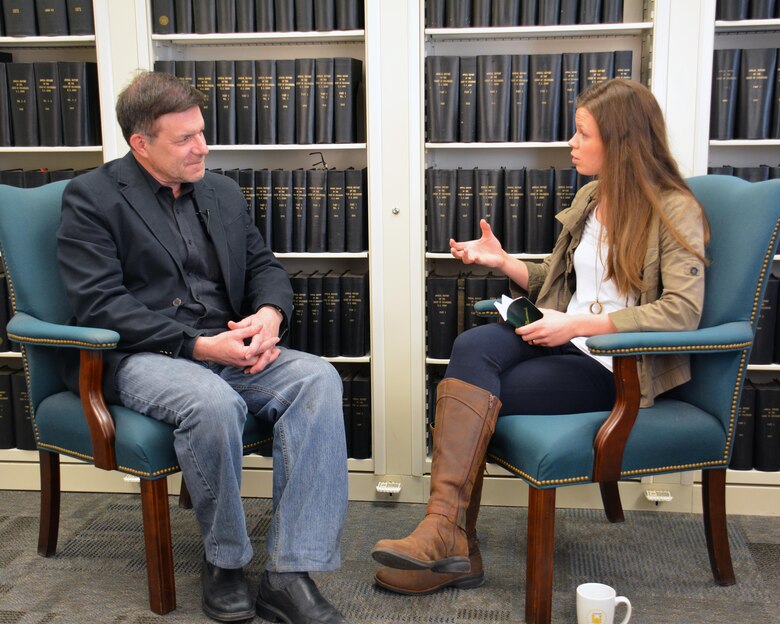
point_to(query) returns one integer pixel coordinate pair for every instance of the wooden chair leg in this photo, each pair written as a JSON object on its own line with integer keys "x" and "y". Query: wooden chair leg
{"x": 610, "y": 496}
{"x": 159, "y": 551}
{"x": 715, "y": 527}
{"x": 50, "y": 503}
{"x": 539, "y": 566}
{"x": 185, "y": 502}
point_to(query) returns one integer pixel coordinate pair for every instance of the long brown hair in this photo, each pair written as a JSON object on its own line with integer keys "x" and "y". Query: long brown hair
{"x": 638, "y": 169}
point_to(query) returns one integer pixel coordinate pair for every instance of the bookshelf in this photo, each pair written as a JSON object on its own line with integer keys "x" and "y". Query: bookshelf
{"x": 393, "y": 46}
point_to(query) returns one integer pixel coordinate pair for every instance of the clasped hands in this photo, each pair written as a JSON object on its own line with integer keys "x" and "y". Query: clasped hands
{"x": 249, "y": 344}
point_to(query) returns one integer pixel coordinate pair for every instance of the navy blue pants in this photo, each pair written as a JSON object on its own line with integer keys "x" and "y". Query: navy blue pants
{"x": 530, "y": 379}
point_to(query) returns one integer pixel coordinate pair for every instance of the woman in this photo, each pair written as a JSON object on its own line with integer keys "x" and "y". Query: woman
{"x": 630, "y": 257}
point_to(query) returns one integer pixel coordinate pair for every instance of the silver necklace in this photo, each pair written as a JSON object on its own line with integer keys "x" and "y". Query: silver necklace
{"x": 596, "y": 307}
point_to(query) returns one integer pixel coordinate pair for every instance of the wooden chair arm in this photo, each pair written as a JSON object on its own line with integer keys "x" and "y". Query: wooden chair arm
{"x": 610, "y": 441}
{"x": 102, "y": 430}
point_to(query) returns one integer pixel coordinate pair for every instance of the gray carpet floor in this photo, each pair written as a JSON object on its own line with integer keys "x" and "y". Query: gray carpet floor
{"x": 658, "y": 560}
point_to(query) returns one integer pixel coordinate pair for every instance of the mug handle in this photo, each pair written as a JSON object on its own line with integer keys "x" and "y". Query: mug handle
{"x": 626, "y": 602}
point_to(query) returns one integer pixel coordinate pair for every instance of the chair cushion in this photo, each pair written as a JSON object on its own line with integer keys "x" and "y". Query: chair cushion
{"x": 548, "y": 451}
{"x": 144, "y": 446}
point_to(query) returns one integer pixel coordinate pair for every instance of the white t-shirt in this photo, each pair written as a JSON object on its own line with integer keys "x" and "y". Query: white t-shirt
{"x": 589, "y": 258}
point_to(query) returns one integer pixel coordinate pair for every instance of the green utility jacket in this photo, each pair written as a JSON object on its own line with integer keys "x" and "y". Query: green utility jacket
{"x": 673, "y": 291}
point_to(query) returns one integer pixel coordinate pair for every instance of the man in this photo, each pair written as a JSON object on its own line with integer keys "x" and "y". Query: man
{"x": 153, "y": 246}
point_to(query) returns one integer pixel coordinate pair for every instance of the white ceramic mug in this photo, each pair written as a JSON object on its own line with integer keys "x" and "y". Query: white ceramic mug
{"x": 596, "y": 604}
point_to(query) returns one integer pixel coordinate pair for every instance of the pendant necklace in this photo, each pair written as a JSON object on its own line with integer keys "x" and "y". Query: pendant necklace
{"x": 596, "y": 307}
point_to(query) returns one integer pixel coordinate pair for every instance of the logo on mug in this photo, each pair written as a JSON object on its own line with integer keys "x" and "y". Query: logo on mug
{"x": 597, "y": 617}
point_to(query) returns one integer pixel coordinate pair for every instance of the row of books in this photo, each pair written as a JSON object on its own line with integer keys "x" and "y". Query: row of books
{"x": 307, "y": 211}
{"x": 230, "y": 16}
{"x": 512, "y": 97}
{"x": 16, "y": 427}
{"x": 284, "y": 101}
{"x": 751, "y": 173}
{"x": 49, "y": 103}
{"x": 501, "y": 13}
{"x": 757, "y": 432}
{"x": 31, "y": 178}
{"x": 766, "y": 344}
{"x": 47, "y": 18}
{"x": 330, "y": 313}
{"x": 356, "y": 403}
{"x": 450, "y": 303}
{"x": 519, "y": 204}
{"x": 745, "y": 94}
{"x": 735, "y": 10}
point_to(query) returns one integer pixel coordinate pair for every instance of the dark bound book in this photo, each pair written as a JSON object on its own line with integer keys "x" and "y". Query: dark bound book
{"x": 569, "y": 12}
{"x": 473, "y": 291}
{"x": 52, "y": 18}
{"x": 346, "y": 407}
{"x": 204, "y": 16}
{"x": 764, "y": 340}
{"x": 21, "y": 91}
{"x": 265, "y": 81}
{"x": 336, "y": 212}
{"x": 314, "y": 329}
{"x": 495, "y": 286}
{"x": 226, "y": 101}
{"x": 47, "y": 97}
{"x": 590, "y": 11}
{"x": 264, "y": 205}
{"x": 245, "y": 15}
{"x": 514, "y": 210}
{"x": 264, "y": 15}
{"x": 317, "y": 206}
{"x": 300, "y": 204}
{"x": 163, "y": 17}
{"x": 544, "y": 97}
{"x": 612, "y": 11}
{"x": 457, "y": 13}
{"x": 722, "y": 170}
{"x": 753, "y": 173}
{"x": 185, "y": 71}
{"x": 489, "y": 200}
{"x": 623, "y": 64}
{"x": 570, "y": 91}
{"x": 549, "y": 12}
{"x": 464, "y": 204}
{"x": 742, "y": 453}
{"x": 761, "y": 9}
{"x": 766, "y": 443}
{"x": 165, "y": 66}
{"x": 539, "y": 210}
{"x": 360, "y": 416}
{"x": 299, "y": 321}
{"x": 246, "y": 103}
{"x": 24, "y": 433}
{"x": 36, "y": 177}
{"x": 6, "y": 131}
{"x": 349, "y": 14}
{"x": 467, "y": 100}
{"x": 323, "y": 100}
{"x": 493, "y": 93}
{"x": 563, "y": 194}
{"x": 347, "y": 76}
{"x": 725, "y": 83}
{"x": 480, "y": 13}
{"x": 282, "y": 211}
{"x": 731, "y": 10}
{"x": 754, "y": 100}
{"x": 246, "y": 181}
{"x": 356, "y": 209}
{"x": 596, "y": 67}
{"x": 440, "y": 208}
{"x": 285, "y": 101}
{"x": 81, "y": 20}
{"x": 354, "y": 314}
{"x": 442, "y": 314}
{"x": 324, "y": 15}
{"x": 226, "y": 16}
{"x": 304, "y": 15}
{"x": 518, "y": 99}
{"x": 284, "y": 15}
{"x": 61, "y": 174}
{"x": 7, "y": 438}
{"x": 331, "y": 314}
{"x": 183, "y": 11}
{"x": 206, "y": 83}
{"x": 434, "y": 13}
{"x": 528, "y": 12}
{"x": 304, "y": 100}
{"x": 19, "y": 18}
{"x": 505, "y": 13}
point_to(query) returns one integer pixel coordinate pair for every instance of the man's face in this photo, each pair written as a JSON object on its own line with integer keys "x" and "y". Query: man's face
{"x": 177, "y": 152}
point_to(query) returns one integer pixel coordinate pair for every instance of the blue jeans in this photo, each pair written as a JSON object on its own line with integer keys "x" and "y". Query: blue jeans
{"x": 208, "y": 404}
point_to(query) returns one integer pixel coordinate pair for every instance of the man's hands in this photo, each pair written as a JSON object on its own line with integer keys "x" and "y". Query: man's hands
{"x": 230, "y": 347}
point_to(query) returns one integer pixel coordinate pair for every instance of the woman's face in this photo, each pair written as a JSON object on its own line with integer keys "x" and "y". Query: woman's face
{"x": 587, "y": 148}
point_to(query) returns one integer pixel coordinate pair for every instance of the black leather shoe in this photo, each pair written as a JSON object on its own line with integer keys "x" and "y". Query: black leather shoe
{"x": 226, "y": 595}
{"x": 299, "y": 602}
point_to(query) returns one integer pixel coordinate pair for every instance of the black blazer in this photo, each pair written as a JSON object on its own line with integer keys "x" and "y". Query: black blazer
{"x": 117, "y": 260}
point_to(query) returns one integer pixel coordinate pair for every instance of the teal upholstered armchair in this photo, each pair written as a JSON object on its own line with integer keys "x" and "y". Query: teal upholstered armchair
{"x": 689, "y": 428}
{"x": 84, "y": 427}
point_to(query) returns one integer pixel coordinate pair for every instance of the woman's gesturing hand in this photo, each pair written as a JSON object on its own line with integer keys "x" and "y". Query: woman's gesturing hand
{"x": 485, "y": 250}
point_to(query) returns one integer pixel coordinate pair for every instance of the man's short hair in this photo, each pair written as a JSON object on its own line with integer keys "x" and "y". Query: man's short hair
{"x": 149, "y": 96}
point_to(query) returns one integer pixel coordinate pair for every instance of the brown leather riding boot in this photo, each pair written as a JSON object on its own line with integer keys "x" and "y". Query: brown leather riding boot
{"x": 465, "y": 420}
{"x": 421, "y": 582}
